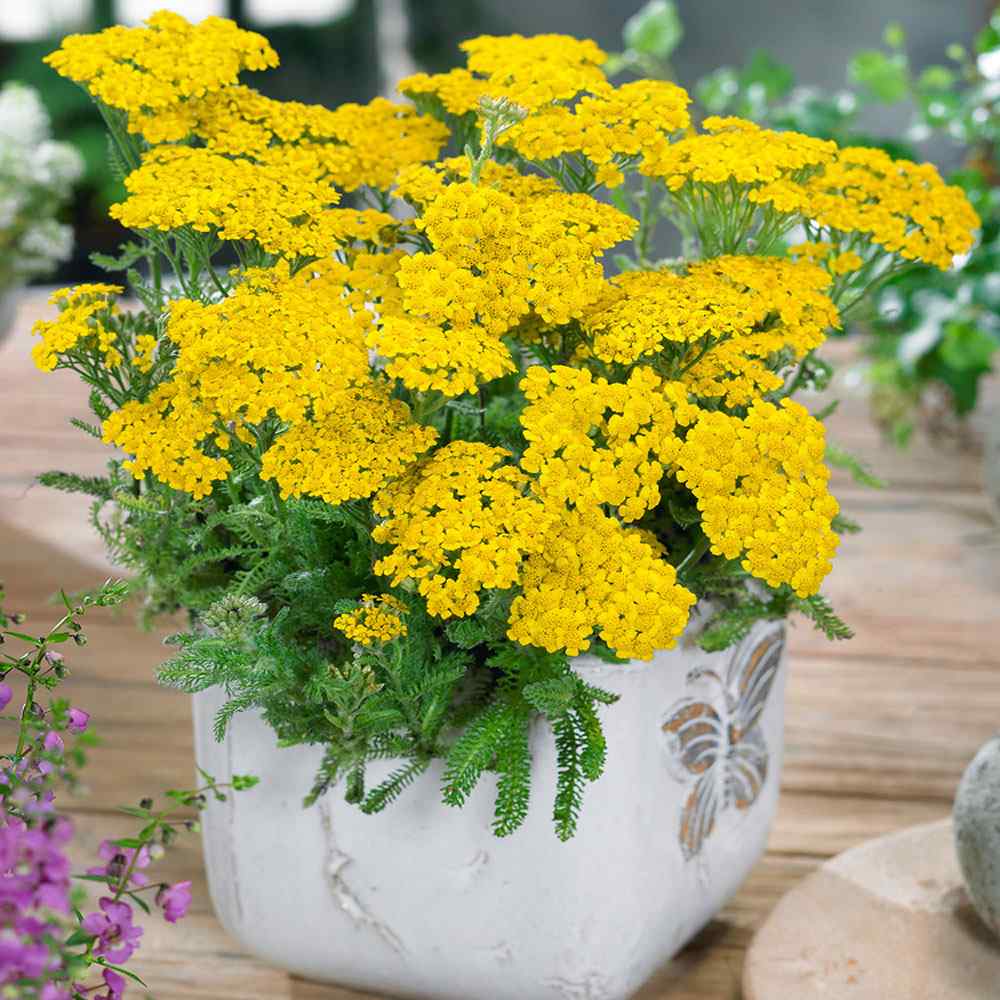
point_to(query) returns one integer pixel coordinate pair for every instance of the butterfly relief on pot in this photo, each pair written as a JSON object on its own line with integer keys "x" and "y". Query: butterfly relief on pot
{"x": 718, "y": 744}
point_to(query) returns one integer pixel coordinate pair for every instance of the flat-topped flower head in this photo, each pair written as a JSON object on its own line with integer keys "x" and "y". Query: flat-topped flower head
{"x": 593, "y": 443}
{"x": 610, "y": 126}
{"x": 529, "y": 71}
{"x": 285, "y": 202}
{"x": 377, "y": 619}
{"x": 902, "y": 207}
{"x": 724, "y": 320}
{"x": 84, "y": 323}
{"x": 357, "y": 144}
{"x": 163, "y": 62}
{"x": 733, "y": 149}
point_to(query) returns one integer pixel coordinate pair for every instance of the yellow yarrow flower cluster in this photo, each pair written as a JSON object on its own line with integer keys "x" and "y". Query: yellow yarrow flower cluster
{"x": 462, "y": 522}
{"x": 595, "y": 575}
{"x": 903, "y": 207}
{"x": 169, "y": 436}
{"x": 765, "y": 308}
{"x": 761, "y": 487}
{"x": 609, "y": 126}
{"x": 285, "y": 203}
{"x": 531, "y": 72}
{"x": 83, "y": 312}
{"x": 498, "y": 256}
{"x": 732, "y": 149}
{"x": 363, "y": 439}
{"x": 168, "y": 60}
{"x": 753, "y": 306}
{"x": 379, "y": 619}
{"x": 306, "y": 364}
{"x": 591, "y": 442}
{"x": 356, "y": 144}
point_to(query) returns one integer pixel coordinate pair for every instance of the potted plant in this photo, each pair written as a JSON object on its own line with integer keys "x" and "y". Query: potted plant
{"x": 36, "y": 178}
{"x": 457, "y": 516}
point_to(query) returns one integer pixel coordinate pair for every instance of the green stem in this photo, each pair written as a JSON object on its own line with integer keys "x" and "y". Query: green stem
{"x": 694, "y": 556}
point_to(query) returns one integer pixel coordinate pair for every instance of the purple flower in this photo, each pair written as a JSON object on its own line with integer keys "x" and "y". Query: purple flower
{"x": 78, "y": 720}
{"x": 175, "y": 900}
{"x": 115, "y": 984}
{"x": 5, "y": 695}
{"x": 53, "y": 991}
{"x": 117, "y": 937}
{"x": 117, "y": 861}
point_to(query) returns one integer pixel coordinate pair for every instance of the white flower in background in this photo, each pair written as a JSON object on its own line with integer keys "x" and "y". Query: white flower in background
{"x": 49, "y": 240}
{"x": 37, "y": 176}
{"x": 22, "y": 116}
{"x": 57, "y": 164}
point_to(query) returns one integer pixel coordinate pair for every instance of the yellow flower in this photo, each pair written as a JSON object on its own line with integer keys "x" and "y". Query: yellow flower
{"x": 593, "y": 575}
{"x": 499, "y": 254}
{"x": 732, "y": 149}
{"x": 727, "y": 318}
{"x": 462, "y": 521}
{"x": 343, "y": 434}
{"x": 142, "y": 68}
{"x": 609, "y": 126}
{"x": 285, "y": 202}
{"x": 363, "y": 439}
{"x": 168, "y": 436}
{"x": 761, "y": 487}
{"x": 83, "y": 314}
{"x": 903, "y": 207}
{"x": 379, "y": 619}
{"x": 530, "y": 72}
{"x": 592, "y": 443}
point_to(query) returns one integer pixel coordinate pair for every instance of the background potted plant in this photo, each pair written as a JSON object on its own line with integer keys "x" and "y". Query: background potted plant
{"x": 36, "y": 179}
{"x": 455, "y": 515}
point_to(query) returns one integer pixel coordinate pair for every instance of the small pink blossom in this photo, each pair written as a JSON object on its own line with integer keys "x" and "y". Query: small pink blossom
{"x": 5, "y": 695}
{"x": 175, "y": 900}
{"x": 117, "y": 937}
{"x": 78, "y": 720}
{"x": 117, "y": 860}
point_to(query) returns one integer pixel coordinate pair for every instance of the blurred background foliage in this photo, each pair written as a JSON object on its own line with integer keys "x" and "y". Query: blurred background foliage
{"x": 920, "y": 78}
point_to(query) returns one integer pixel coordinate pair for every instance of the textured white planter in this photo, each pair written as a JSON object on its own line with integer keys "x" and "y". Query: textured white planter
{"x": 423, "y": 901}
{"x": 9, "y": 298}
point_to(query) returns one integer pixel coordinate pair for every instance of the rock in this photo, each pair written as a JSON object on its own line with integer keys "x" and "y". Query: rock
{"x": 888, "y": 920}
{"x": 977, "y": 832}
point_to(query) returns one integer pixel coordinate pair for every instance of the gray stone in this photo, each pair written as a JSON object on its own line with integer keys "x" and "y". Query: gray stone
{"x": 977, "y": 832}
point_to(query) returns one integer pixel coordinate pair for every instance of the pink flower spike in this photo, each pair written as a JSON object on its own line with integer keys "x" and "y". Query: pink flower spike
{"x": 5, "y": 695}
{"x": 175, "y": 900}
{"x": 78, "y": 720}
{"x": 53, "y": 742}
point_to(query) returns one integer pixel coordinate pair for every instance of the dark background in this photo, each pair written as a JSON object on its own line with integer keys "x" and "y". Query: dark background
{"x": 342, "y": 50}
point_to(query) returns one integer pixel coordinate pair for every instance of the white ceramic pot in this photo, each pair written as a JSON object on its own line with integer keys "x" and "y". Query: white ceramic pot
{"x": 423, "y": 901}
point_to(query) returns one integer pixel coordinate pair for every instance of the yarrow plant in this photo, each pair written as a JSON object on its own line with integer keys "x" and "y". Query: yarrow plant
{"x": 50, "y": 949}
{"x": 395, "y": 438}
{"x": 36, "y": 178}
{"x": 932, "y": 335}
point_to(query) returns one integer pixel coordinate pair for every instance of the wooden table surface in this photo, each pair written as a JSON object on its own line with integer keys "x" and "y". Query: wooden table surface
{"x": 879, "y": 729}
